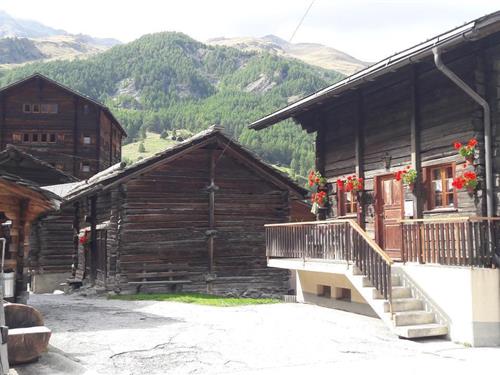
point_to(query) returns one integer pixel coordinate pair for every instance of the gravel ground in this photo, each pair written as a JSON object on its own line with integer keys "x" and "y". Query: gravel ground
{"x": 99, "y": 336}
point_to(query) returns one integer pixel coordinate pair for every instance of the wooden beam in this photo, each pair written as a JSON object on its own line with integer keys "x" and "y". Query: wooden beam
{"x": 93, "y": 238}
{"x": 22, "y": 251}
{"x": 211, "y": 215}
{"x": 359, "y": 150}
{"x": 320, "y": 148}
{"x": 76, "y": 139}
{"x": 416, "y": 159}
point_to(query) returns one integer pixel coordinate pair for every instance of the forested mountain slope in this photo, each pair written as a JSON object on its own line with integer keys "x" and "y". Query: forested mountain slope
{"x": 170, "y": 81}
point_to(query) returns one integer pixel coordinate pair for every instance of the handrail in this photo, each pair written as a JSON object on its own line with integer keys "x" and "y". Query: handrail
{"x": 371, "y": 242}
{"x": 309, "y": 222}
{"x": 341, "y": 239}
{"x": 449, "y": 219}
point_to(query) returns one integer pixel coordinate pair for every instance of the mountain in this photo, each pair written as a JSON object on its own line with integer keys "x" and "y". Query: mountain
{"x": 311, "y": 53}
{"x": 23, "y": 41}
{"x": 168, "y": 81}
{"x": 12, "y": 27}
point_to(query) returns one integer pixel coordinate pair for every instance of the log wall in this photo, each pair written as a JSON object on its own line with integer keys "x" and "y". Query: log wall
{"x": 443, "y": 112}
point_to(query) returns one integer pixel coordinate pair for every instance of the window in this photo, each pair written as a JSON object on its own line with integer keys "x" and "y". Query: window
{"x": 85, "y": 167}
{"x": 52, "y": 138}
{"x": 442, "y": 193}
{"x": 26, "y": 108}
{"x": 87, "y": 140}
{"x": 26, "y": 137}
{"x": 34, "y": 137}
{"x": 35, "y": 108}
{"x": 324, "y": 291}
{"x": 16, "y": 138}
{"x": 44, "y": 137}
{"x": 49, "y": 108}
{"x": 347, "y": 203}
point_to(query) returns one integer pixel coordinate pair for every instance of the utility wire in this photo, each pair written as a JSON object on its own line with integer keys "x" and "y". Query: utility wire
{"x": 301, "y": 20}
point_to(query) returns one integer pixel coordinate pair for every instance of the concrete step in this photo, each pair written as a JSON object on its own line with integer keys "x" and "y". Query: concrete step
{"x": 410, "y": 318}
{"x": 401, "y": 292}
{"x": 404, "y": 304}
{"x": 421, "y": 330}
{"x": 395, "y": 280}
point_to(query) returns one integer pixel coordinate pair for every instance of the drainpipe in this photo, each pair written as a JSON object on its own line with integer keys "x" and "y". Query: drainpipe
{"x": 486, "y": 123}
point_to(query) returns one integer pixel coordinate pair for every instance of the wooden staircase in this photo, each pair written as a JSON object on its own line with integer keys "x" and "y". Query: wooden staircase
{"x": 407, "y": 315}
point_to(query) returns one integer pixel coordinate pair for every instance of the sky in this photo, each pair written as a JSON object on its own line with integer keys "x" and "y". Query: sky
{"x": 367, "y": 29}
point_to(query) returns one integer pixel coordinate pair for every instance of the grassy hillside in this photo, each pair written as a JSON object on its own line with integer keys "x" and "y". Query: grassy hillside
{"x": 152, "y": 143}
{"x": 169, "y": 81}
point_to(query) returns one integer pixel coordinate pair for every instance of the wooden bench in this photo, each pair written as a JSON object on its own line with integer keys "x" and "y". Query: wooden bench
{"x": 154, "y": 273}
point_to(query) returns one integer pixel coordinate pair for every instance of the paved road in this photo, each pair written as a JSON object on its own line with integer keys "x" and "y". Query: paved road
{"x": 99, "y": 336}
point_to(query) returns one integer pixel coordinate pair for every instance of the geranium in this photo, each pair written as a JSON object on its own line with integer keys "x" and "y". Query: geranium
{"x": 351, "y": 183}
{"x": 467, "y": 150}
{"x": 315, "y": 178}
{"x": 468, "y": 181}
{"x": 320, "y": 198}
{"x": 408, "y": 175}
{"x": 83, "y": 238}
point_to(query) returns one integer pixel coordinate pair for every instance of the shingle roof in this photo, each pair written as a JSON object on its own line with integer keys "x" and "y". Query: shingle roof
{"x": 118, "y": 172}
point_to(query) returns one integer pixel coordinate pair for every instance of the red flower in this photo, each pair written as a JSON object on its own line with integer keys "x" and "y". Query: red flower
{"x": 472, "y": 143}
{"x": 457, "y": 145}
{"x": 349, "y": 178}
{"x": 340, "y": 184}
{"x": 458, "y": 182}
{"x": 469, "y": 175}
{"x": 349, "y": 186}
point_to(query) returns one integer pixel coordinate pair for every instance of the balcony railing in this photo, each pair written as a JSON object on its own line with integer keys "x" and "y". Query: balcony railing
{"x": 341, "y": 240}
{"x": 461, "y": 241}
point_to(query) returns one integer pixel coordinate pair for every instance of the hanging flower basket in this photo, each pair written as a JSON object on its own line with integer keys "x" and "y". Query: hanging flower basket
{"x": 84, "y": 238}
{"x": 350, "y": 184}
{"x": 467, "y": 181}
{"x": 467, "y": 150}
{"x": 315, "y": 179}
{"x": 408, "y": 176}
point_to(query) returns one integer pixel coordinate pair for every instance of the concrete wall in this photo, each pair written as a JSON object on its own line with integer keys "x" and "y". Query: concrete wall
{"x": 468, "y": 297}
{"x": 307, "y": 292}
{"x": 47, "y": 283}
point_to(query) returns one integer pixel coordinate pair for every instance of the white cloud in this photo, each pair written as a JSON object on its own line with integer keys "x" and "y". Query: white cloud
{"x": 367, "y": 29}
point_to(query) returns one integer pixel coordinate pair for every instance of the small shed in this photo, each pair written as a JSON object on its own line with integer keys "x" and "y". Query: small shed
{"x": 189, "y": 218}
{"x": 21, "y": 202}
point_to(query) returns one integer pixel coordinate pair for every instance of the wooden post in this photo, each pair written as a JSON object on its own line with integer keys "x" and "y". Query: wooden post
{"x": 76, "y": 232}
{"x": 416, "y": 160}
{"x": 76, "y": 139}
{"x": 359, "y": 149}
{"x": 211, "y": 232}
{"x": 320, "y": 148}
{"x": 93, "y": 238}
{"x": 22, "y": 253}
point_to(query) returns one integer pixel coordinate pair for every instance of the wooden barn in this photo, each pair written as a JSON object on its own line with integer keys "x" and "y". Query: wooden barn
{"x": 408, "y": 149}
{"x": 189, "y": 218}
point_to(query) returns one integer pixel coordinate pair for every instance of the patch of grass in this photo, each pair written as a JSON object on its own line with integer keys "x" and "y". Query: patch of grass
{"x": 152, "y": 144}
{"x": 197, "y": 298}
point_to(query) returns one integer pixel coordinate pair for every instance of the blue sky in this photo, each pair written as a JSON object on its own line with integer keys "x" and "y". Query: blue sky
{"x": 367, "y": 29}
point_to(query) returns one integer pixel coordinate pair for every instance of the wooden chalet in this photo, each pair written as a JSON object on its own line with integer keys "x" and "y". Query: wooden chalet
{"x": 191, "y": 217}
{"x": 21, "y": 203}
{"x": 70, "y": 131}
{"x": 412, "y": 249}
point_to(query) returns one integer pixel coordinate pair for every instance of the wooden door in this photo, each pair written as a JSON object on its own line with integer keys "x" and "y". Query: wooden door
{"x": 100, "y": 259}
{"x": 389, "y": 197}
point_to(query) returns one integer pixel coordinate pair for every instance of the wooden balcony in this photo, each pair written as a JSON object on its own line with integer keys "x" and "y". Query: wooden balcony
{"x": 342, "y": 240}
{"x": 461, "y": 241}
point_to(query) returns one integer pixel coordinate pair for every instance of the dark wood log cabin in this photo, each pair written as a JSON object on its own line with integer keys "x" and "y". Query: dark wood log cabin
{"x": 21, "y": 203}
{"x": 27, "y": 174}
{"x": 54, "y": 265}
{"x": 190, "y": 217}
{"x": 408, "y": 110}
{"x": 59, "y": 125}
